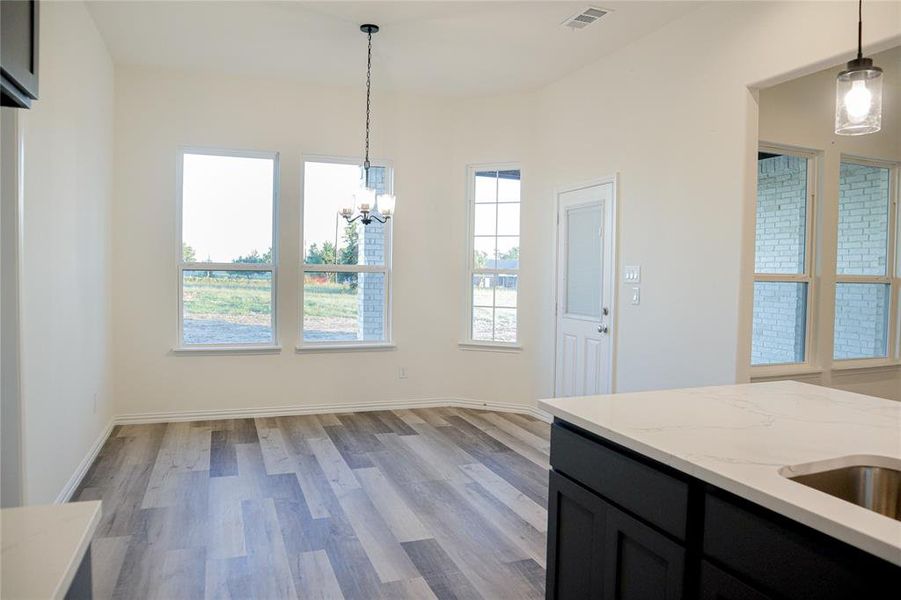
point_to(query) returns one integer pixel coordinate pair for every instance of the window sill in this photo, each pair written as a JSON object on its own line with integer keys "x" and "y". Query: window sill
{"x": 867, "y": 364}
{"x": 490, "y": 347}
{"x": 784, "y": 371}
{"x": 315, "y": 348}
{"x": 212, "y": 350}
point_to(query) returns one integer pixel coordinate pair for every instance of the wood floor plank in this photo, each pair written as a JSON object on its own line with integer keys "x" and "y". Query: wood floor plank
{"x": 107, "y": 555}
{"x": 439, "y": 570}
{"x": 384, "y": 551}
{"x": 424, "y": 503}
{"x": 339, "y": 475}
{"x": 226, "y": 539}
{"x": 183, "y": 575}
{"x": 516, "y": 431}
{"x": 530, "y": 540}
{"x": 530, "y": 512}
{"x": 315, "y": 577}
{"x": 401, "y": 520}
{"x": 276, "y": 456}
{"x": 410, "y": 589}
{"x": 267, "y": 557}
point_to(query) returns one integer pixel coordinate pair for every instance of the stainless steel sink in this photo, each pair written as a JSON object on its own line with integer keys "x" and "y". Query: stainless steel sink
{"x": 877, "y": 488}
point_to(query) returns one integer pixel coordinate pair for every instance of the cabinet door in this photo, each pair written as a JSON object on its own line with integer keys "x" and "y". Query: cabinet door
{"x": 19, "y": 52}
{"x": 576, "y": 520}
{"x": 597, "y": 551}
{"x": 639, "y": 562}
{"x": 719, "y": 585}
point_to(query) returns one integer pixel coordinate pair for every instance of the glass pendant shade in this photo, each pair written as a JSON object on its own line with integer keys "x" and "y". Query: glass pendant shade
{"x": 858, "y": 99}
{"x": 386, "y": 204}
{"x": 364, "y": 198}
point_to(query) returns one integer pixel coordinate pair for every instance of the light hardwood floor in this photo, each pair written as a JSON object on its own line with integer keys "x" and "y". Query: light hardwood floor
{"x": 446, "y": 503}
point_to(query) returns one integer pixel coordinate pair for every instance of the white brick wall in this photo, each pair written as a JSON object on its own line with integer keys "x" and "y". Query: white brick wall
{"x": 780, "y": 308}
{"x": 371, "y": 294}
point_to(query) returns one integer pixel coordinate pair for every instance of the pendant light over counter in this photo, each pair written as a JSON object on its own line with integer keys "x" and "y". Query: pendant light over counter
{"x": 858, "y": 92}
{"x": 369, "y": 207}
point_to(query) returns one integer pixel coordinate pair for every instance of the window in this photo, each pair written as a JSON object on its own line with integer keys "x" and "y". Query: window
{"x": 227, "y": 254}
{"x": 864, "y": 264}
{"x": 346, "y": 266}
{"x": 493, "y": 254}
{"x": 782, "y": 257}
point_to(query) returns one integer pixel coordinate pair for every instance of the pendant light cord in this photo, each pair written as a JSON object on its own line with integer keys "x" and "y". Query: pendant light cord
{"x": 859, "y": 29}
{"x": 368, "y": 107}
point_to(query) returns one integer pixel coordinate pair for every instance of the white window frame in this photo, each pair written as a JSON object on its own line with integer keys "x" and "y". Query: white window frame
{"x": 810, "y": 346}
{"x": 182, "y": 266}
{"x": 468, "y": 342}
{"x": 345, "y": 345}
{"x": 891, "y": 277}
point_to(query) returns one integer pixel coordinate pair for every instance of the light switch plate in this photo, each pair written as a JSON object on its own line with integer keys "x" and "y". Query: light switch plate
{"x": 636, "y": 295}
{"x": 632, "y": 274}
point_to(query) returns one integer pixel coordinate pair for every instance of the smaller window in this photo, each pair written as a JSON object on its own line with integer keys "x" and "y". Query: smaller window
{"x": 493, "y": 254}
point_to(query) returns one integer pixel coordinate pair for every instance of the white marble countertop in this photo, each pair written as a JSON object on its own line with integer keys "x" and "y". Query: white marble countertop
{"x": 738, "y": 437}
{"x": 41, "y": 548}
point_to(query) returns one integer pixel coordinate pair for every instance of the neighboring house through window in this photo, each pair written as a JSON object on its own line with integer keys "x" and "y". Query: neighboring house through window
{"x": 493, "y": 282}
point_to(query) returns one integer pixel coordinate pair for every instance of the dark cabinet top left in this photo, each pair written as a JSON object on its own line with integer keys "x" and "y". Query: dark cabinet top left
{"x": 19, "y": 21}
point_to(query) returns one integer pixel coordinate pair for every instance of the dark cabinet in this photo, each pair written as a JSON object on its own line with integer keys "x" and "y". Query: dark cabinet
{"x": 621, "y": 525}
{"x": 19, "y": 20}
{"x": 598, "y": 551}
{"x": 716, "y": 584}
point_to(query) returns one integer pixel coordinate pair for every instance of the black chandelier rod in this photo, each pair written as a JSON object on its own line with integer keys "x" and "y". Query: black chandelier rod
{"x": 859, "y": 30}
{"x": 369, "y": 30}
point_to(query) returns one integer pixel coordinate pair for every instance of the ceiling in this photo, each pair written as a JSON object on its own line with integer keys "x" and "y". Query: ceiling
{"x": 447, "y": 48}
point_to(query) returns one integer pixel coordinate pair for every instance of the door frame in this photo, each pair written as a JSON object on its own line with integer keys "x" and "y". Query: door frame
{"x": 611, "y": 250}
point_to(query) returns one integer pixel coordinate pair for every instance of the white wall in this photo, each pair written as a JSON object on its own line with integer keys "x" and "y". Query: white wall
{"x": 65, "y": 285}
{"x": 800, "y": 113}
{"x": 671, "y": 114}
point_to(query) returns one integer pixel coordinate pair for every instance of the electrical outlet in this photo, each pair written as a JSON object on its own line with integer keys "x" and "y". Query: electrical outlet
{"x": 402, "y": 373}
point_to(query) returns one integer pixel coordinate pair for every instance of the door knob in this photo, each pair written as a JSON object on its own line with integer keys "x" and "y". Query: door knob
{"x": 602, "y": 329}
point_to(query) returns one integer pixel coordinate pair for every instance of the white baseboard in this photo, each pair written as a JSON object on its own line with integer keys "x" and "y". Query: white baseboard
{"x": 318, "y": 409}
{"x": 66, "y": 493}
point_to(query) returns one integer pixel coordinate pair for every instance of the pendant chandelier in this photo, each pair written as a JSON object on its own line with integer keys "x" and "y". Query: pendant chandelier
{"x": 858, "y": 92}
{"x": 368, "y": 206}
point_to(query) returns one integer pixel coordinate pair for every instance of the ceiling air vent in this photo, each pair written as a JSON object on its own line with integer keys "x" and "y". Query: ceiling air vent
{"x": 584, "y": 18}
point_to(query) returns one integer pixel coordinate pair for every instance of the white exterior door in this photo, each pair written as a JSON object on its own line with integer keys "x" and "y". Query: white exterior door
{"x": 585, "y": 270}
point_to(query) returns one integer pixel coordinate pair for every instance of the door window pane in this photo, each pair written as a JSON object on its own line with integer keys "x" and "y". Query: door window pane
{"x": 863, "y": 210}
{"x": 583, "y": 260}
{"x": 343, "y": 307}
{"x": 227, "y": 307}
{"x": 781, "y": 213}
{"x": 780, "y": 322}
{"x": 227, "y": 208}
{"x": 861, "y": 320}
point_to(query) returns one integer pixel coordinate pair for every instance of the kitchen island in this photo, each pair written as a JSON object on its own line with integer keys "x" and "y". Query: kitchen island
{"x": 46, "y": 551}
{"x": 689, "y": 493}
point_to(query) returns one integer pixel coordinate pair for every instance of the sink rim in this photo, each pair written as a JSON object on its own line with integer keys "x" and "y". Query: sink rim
{"x": 840, "y": 462}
